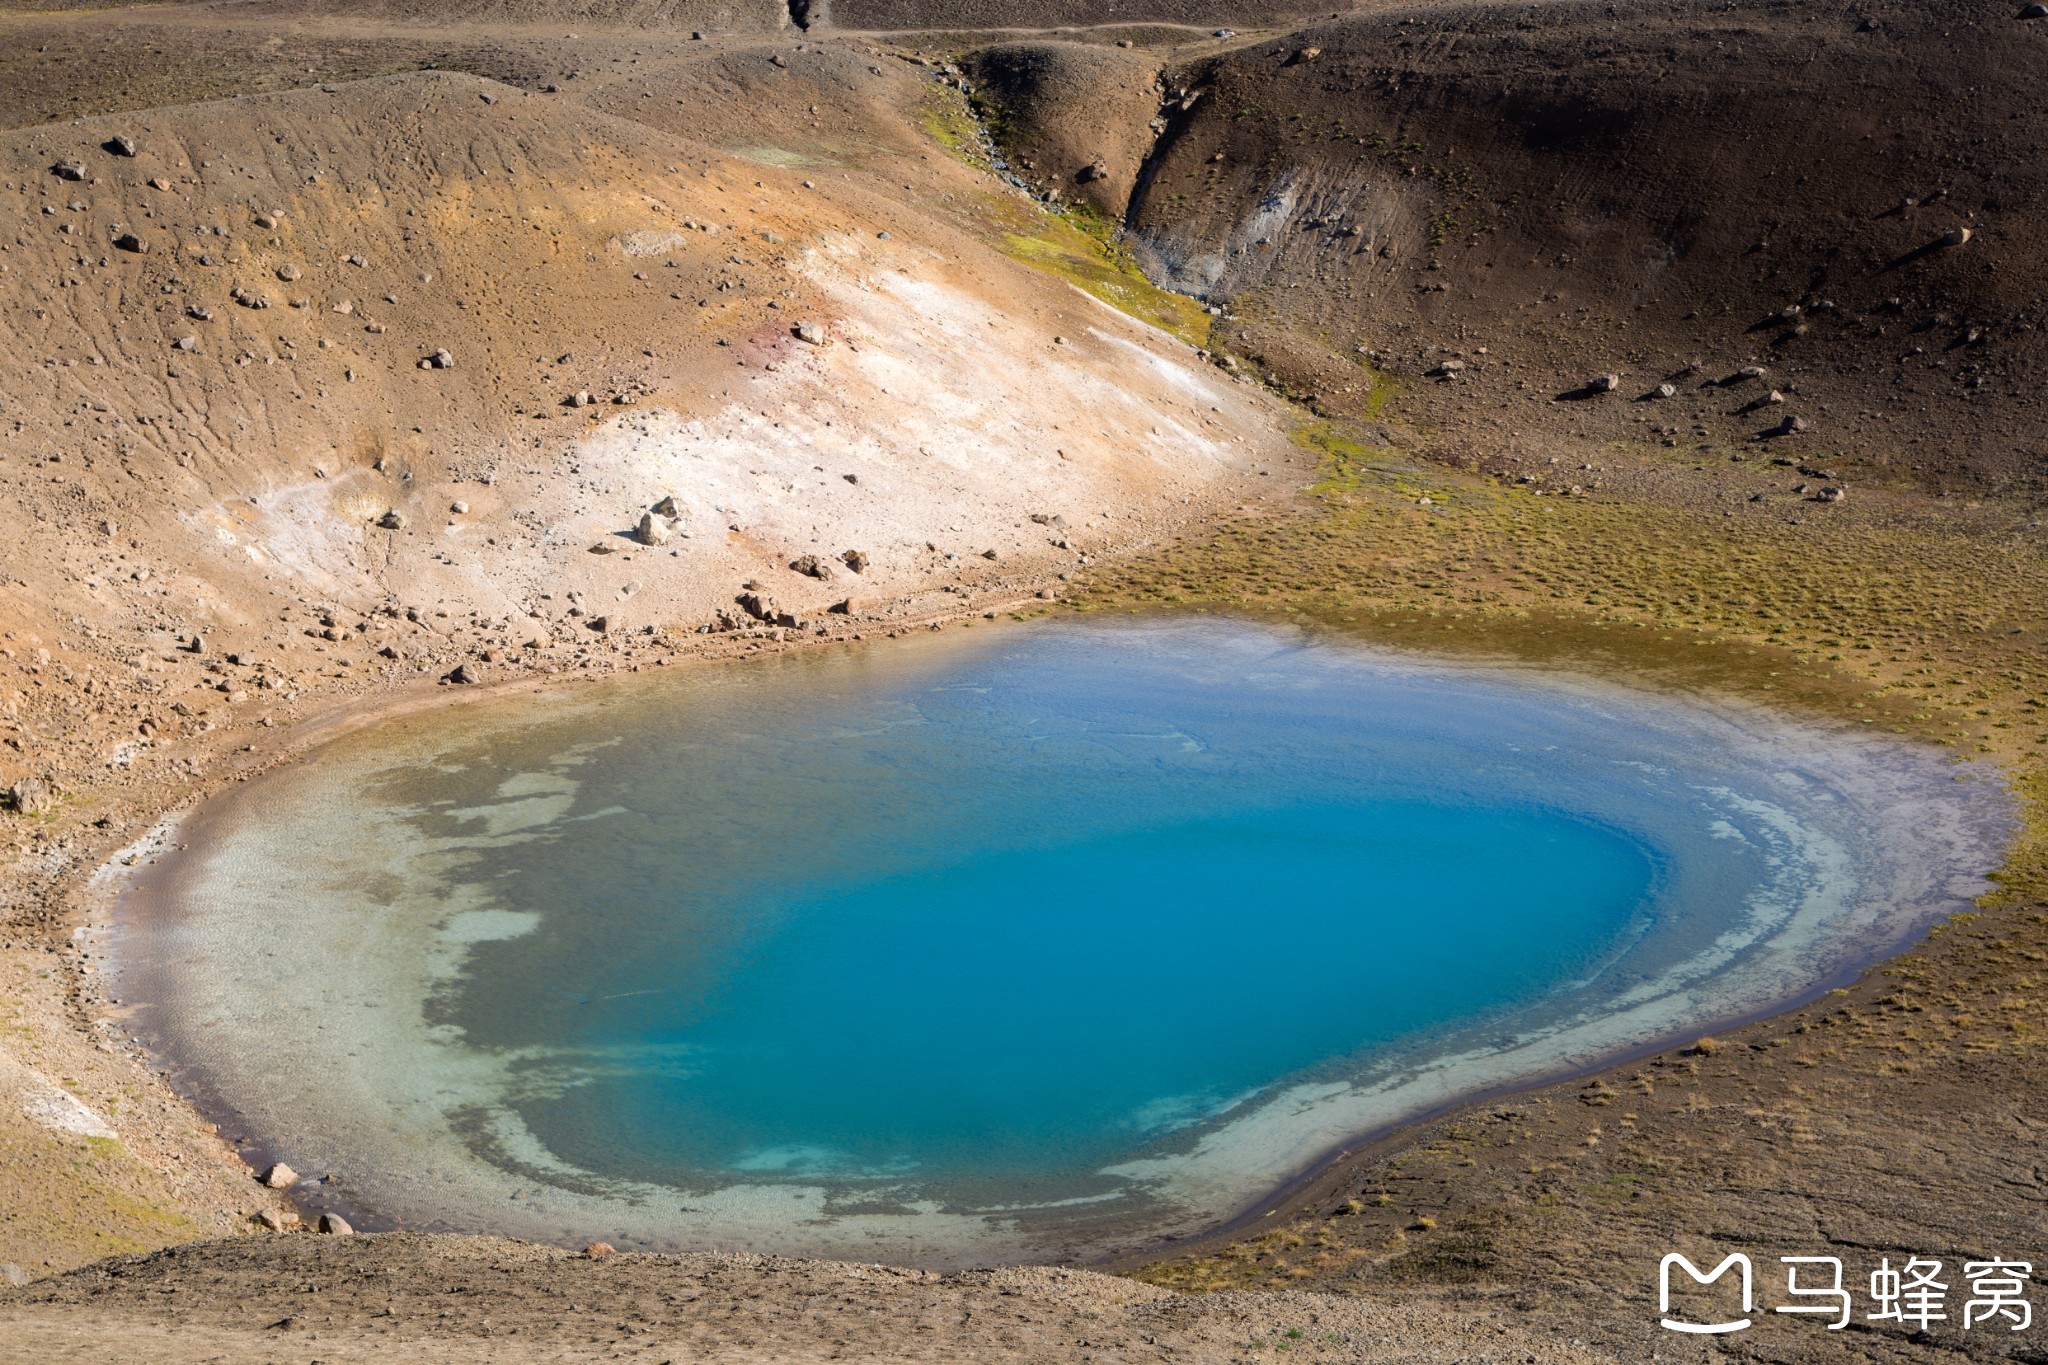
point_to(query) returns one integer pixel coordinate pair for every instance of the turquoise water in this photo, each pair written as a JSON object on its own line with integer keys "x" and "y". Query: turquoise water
{"x": 1035, "y": 942}
{"x": 1033, "y": 1009}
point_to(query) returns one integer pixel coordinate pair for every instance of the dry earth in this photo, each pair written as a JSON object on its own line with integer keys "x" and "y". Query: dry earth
{"x": 1427, "y": 224}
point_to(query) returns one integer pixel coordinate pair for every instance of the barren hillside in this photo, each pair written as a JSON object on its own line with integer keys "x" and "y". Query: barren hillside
{"x": 1496, "y": 203}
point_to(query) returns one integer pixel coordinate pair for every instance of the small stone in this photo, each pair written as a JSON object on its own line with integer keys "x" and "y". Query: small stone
{"x": 280, "y": 1177}
{"x": 68, "y": 170}
{"x": 1667, "y": 390}
{"x": 1307, "y": 54}
{"x": 812, "y": 333}
{"x": 604, "y": 547}
{"x": 393, "y": 520}
{"x": 579, "y": 399}
{"x": 1750, "y": 372}
{"x": 1047, "y": 595}
{"x": 287, "y": 272}
{"x": 157, "y": 182}
{"x": 128, "y": 241}
{"x": 1606, "y": 383}
{"x": 464, "y": 674}
{"x": 598, "y": 1250}
{"x": 459, "y": 508}
{"x": 757, "y": 604}
{"x": 652, "y": 530}
{"x": 12, "y": 1274}
{"x": 1774, "y": 397}
{"x": 1833, "y": 494}
{"x": 2034, "y": 12}
{"x": 335, "y": 1225}
{"x": 442, "y": 360}
{"x": 278, "y": 1220}
{"x": 1097, "y": 169}
{"x": 814, "y": 567}
{"x": 269, "y": 218}
{"x": 668, "y": 507}
{"x": 855, "y": 560}
{"x": 120, "y": 144}
{"x": 1955, "y": 236}
{"x": 849, "y": 606}
{"x": 601, "y": 624}
{"x": 988, "y": 554}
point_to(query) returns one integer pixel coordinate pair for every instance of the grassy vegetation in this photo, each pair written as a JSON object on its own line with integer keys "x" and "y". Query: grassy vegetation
{"x": 1073, "y": 241}
{"x": 1060, "y": 245}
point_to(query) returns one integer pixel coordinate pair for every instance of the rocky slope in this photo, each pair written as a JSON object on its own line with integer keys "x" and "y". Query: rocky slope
{"x": 1495, "y": 204}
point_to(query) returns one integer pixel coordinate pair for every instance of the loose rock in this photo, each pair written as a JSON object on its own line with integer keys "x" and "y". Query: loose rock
{"x": 812, "y": 333}
{"x": 120, "y": 144}
{"x": 335, "y": 1224}
{"x": 855, "y": 560}
{"x": 280, "y": 1177}
{"x": 814, "y": 567}
{"x": 652, "y": 530}
{"x": 30, "y": 796}
{"x": 394, "y": 520}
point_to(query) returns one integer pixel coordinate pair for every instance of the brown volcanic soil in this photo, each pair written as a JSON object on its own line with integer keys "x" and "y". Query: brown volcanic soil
{"x": 401, "y": 1296}
{"x": 1547, "y": 193}
{"x": 1075, "y": 119}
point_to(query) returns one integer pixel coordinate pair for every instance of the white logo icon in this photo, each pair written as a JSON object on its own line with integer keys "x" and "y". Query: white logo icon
{"x": 1664, "y": 1292}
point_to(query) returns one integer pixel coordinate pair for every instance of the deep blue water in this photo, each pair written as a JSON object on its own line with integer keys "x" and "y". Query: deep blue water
{"x": 1013, "y": 1011}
